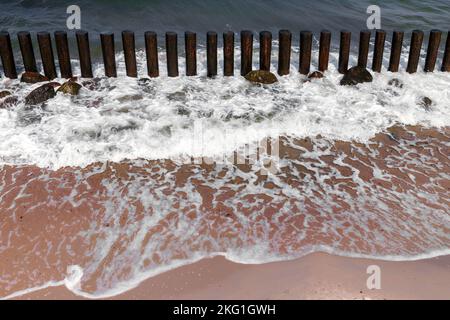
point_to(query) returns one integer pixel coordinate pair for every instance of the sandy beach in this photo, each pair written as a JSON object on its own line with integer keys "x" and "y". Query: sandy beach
{"x": 316, "y": 276}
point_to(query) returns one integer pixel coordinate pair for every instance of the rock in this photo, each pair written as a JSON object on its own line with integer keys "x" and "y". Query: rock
{"x": 41, "y": 94}
{"x": 33, "y": 77}
{"x": 426, "y": 103}
{"x": 261, "y": 76}
{"x": 315, "y": 75}
{"x": 70, "y": 87}
{"x": 9, "y": 102}
{"x": 93, "y": 84}
{"x": 130, "y": 97}
{"x": 143, "y": 81}
{"x": 395, "y": 83}
{"x": 356, "y": 75}
{"x": 4, "y": 93}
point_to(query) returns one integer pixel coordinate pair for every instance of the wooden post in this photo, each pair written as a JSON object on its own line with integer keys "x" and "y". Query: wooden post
{"x": 414, "y": 53}
{"x": 190, "y": 44}
{"x": 109, "y": 54}
{"x": 7, "y": 57}
{"x": 211, "y": 53}
{"x": 305, "y": 52}
{"x": 344, "y": 51}
{"x": 433, "y": 48}
{"x": 246, "y": 52}
{"x": 151, "y": 50}
{"x": 228, "y": 53}
{"x": 265, "y": 50}
{"x": 446, "y": 60}
{"x": 84, "y": 53}
{"x": 26, "y": 48}
{"x": 172, "y": 54}
{"x": 62, "y": 49}
{"x": 380, "y": 39}
{"x": 48, "y": 60}
{"x": 129, "y": 52}
{"x": 364, "y": 41}
{"x": 284, "y": 52}
{"x": 324, "y": 50}
{"x": 396, "y": 51}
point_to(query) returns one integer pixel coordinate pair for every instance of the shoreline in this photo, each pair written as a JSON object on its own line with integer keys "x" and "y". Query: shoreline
{"x": 315, "y": 276}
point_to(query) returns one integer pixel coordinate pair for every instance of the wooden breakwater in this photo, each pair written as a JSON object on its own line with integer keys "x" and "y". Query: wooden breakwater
{"x": 285, "y": 40}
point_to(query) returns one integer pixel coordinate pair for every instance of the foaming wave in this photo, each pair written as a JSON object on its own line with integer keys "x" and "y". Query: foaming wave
{"x": 168, "y": 118}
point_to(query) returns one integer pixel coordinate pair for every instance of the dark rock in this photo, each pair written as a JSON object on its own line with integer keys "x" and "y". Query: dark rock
{"x": 4, "y": 94}
{"x": 92, "y": 84}
{"x": 426, "y": 103}
{"x": 9, "y": 102}
{"x": 183, "y": 111}
{"x": 40, "y": 95}
{"x": 130, "y": 97}
{"x": 261, "y": 76}
{"x": 315, "y": 75}
{"x": 70, "y": 87}
{"x": 395, "y": 83}
{"x": 356, "y": 75}
{"x": 143, "y": 81}
{"x": 33, "y": 77}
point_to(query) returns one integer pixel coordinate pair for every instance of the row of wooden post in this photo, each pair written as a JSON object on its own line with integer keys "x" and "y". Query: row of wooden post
{"x": 246, "y": 37}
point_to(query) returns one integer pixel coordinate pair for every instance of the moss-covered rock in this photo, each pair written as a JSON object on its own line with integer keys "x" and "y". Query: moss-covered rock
{"x": 70, "y": 87}
{"x": 261, "y": 76}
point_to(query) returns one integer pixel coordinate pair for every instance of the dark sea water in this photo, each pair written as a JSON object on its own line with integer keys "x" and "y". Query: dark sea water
{"x": 201, "y": 15}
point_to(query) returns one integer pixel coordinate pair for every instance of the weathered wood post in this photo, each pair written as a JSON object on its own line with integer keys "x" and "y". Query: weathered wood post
{"x": 380, "y": 40}
{"x": 84, "y": 53}
{"x": 211, "y": 53}
{"x": 414, "y": 52}
{"x": 246, "y": 52}
{"x": 190, "y": 44}
{"x": 284, "y": 52}
{"x": 62, "y": 50}
{"x": 109, "y": 54}
{"x": 305, "y": 52}
{"x": 265, "y": 50}
{"x": 26, "y": 49}
{"x": 129, "y": 51}
{"x": 48, "y": 60}
{"x": 172, "y": 54}
{"x": 228, "y": 53}
{"x": 344, "y": 51}
{"x": 446, "y": 60}
{"x": 6, "y": 53}
{"x": 324, "y": 50}
{"x": 364, "y": 41}
{"x": 151, "y": 51}
{"x": 433, "y": 48}
{"x": 396, "y": 51}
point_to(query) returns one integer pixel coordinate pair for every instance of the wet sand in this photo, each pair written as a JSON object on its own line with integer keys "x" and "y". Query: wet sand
{"x": 316, "y": 276}
{"x": 118, "y": 221}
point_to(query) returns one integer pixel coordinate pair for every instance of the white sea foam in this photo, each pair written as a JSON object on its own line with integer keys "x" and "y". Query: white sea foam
{"x": 196, "y": 116}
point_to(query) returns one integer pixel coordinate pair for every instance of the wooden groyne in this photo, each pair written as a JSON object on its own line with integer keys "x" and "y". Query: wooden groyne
{"x": 285, "y": 40}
